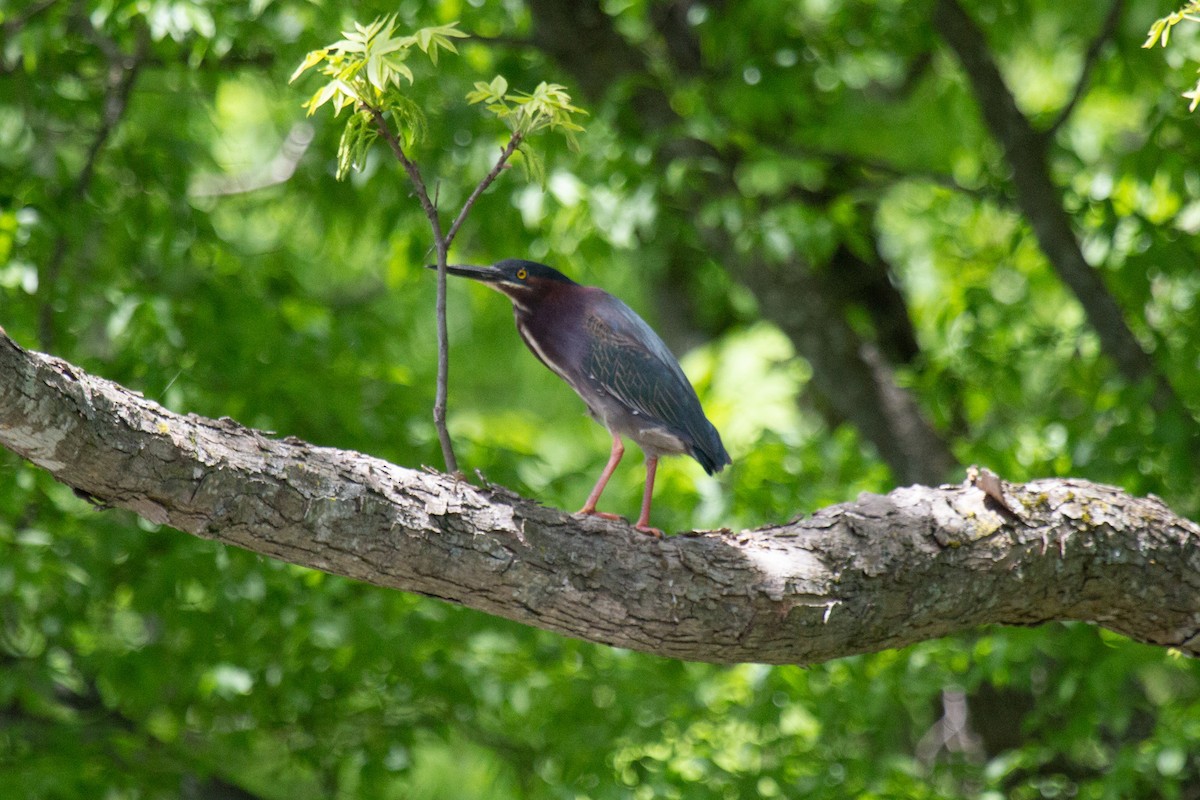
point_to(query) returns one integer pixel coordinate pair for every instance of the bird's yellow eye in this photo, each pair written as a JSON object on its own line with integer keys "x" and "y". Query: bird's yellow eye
{"x": 522, "y": 274}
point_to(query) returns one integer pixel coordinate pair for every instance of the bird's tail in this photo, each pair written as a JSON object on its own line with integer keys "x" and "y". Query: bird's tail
{"x": 711, "y": 453}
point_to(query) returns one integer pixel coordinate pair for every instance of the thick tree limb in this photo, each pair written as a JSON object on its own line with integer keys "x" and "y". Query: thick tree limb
{"x": 883, "y": 571}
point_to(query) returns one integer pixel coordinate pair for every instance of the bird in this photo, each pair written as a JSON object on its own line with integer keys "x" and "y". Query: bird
{"x": 624, "y": 373}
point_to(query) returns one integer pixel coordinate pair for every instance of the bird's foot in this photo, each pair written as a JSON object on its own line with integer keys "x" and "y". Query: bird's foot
{"x": 644, "y": 527}
{"x": 591, "y": 512}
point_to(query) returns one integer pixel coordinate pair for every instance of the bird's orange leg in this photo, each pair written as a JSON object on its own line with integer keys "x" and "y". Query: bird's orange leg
{"x": 618, "y": 450}
{"x": 643, "y": 523}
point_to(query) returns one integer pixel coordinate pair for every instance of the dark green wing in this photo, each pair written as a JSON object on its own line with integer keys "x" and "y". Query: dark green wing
{"x": 629, "y": 361}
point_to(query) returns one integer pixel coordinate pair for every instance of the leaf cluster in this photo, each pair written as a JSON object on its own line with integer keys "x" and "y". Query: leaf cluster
{"x": 1160, "y": 33}
{"x": 366, "y": 70}
{"x": 369, "y": 61}
{"x": 547, "y": 107}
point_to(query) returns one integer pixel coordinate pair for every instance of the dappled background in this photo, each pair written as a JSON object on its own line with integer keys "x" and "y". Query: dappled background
{"x": 887, "y": 239}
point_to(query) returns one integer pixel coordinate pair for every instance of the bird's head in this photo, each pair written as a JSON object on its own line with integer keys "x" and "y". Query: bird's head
{"x": 524, "y": 282}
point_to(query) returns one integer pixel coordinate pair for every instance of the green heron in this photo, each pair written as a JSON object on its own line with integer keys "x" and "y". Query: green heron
{"x": 614, "y": 361}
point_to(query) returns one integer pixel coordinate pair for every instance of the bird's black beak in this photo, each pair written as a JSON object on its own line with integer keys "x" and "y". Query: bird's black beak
{"x": 484, "y": 274}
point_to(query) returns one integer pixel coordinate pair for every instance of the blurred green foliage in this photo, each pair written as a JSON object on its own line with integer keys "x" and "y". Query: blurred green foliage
{"x": 1160, "y": 33}
{"x": 192, "y": 243}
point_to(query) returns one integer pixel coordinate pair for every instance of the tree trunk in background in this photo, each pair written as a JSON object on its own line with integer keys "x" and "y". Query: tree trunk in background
{"x": 1027, "y": 152}
{"x": 851, "y": 374}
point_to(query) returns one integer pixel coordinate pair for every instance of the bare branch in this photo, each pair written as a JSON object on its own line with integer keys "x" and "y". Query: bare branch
{"x": 276, "y": 171}
{"x": 442, "y": 245}
{"x": 410, "y": 167}
{"x": 513, "y": 143}
{"x": 880, "y": 572}
{"x": 884, "y": 167}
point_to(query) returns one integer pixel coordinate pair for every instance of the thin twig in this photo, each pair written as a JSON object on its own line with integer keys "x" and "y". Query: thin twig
{"x": 505, "y": 154}
{"x": 441, "y": 395}
{"x": 443, "y": 247}
{"x": 442, "y": 244}
{"x": 1106, "y": 32}
{"x": 276, "y": 171}
{"x": 414, "y": 174}
{"x": 892, "y": 170}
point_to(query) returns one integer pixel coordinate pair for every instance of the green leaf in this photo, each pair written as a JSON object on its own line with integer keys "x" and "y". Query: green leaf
{"x": 375, "y": 73}
{"x": 491, "y": 93}
{"x": 410, "y": 120}
{"x": 351, "y": 44}
{"x": 1160, "y": 30}
{"x": 321, "y": 97}
{"x": 310, "y": 61}
{"x": 548, "y": 106}
{"x": 356, "y": 140}
{"x": 431, "y": 39}
{"x": 365, "y": 69}
{"x": 532, "y": 165}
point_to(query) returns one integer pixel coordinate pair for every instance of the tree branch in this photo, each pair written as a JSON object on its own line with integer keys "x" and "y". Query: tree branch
{"x": 274, "y": 172}
{"x": 505, "y": 154}
{"x": 850, "y": 373}
{"x": 886, "y": 168}
{"x": 880, "y": 572}
{"x": 410, "y": 167}
{"x": 16, "y": 22}
{"x": 206, "y": 774}
{"x": 442, "y": 244}
{"x": 1027, "y": 153}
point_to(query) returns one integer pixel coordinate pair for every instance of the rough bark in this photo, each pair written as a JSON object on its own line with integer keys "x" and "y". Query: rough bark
{"x": 883, "y": 571}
